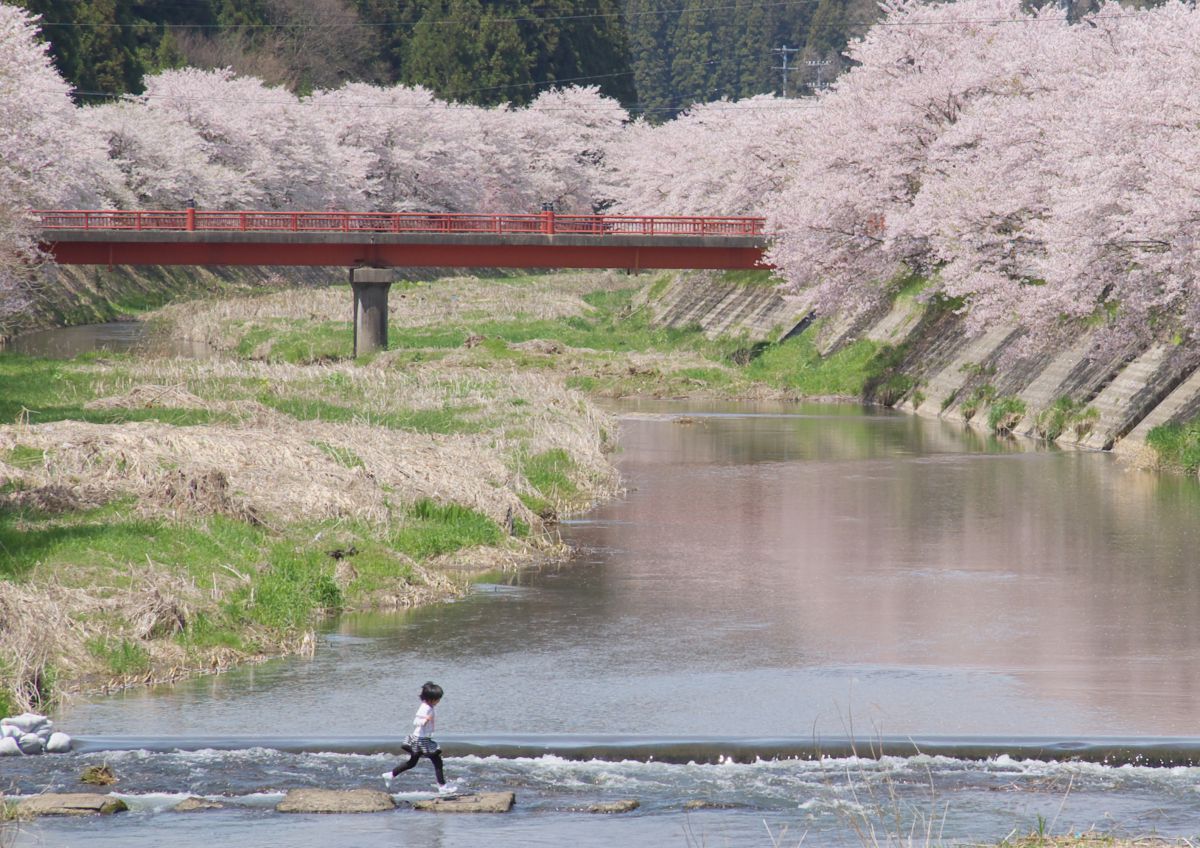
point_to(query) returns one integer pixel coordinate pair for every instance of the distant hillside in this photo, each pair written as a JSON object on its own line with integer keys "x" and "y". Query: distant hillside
{"x": 655, "y": 56}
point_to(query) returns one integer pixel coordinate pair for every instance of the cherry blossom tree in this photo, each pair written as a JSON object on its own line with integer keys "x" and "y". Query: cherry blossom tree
{"x": 1040, "y": 171}
{"x": 721, "y": 158}
{"x": 1037, "y": 170}
{"x": 283, "y": 158}
{"x": 44, "y": 158}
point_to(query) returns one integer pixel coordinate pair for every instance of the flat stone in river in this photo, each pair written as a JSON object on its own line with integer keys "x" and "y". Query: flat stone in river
{"x": 70, "y": 804}
{"x": 335, "y": 801}
{"x": 624, "y": 805}
{"x": 483, "y": 802}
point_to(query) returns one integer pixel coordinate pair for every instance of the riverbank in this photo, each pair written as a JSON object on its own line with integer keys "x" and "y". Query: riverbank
{"x": 168, "y": 516}
{"x": 163, "y": 517}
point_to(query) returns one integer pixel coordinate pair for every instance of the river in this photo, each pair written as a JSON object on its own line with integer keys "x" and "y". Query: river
{"x": 776, "y": 582}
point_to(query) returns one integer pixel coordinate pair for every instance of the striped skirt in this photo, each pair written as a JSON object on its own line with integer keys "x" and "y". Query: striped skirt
{"x": 421, "y": 745}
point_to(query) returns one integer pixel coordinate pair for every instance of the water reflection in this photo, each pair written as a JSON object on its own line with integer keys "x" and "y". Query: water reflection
{"x": 783, "y": 575}
{"x": 113, "y": 337}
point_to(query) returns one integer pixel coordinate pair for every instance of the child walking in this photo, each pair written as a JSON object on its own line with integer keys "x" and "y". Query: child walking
{"x": 420, "y": 741}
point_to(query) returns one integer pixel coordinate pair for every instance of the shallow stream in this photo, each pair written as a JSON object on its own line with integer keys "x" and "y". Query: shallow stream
{"x": 777, "y": 583}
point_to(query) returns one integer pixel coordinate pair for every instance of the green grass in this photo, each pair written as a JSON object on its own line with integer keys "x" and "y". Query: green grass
{"x": 298, "y": 342}
{"x": 982, "y": 396}
{"x": 432, "y": 529}
{"x": 296, "y": 585}
{"x": 1065, "y": 414}
{"x": 1005, "y": 414}
{"x": 550, "y": 473}
{"x": 613, "y": 325}
{"x": 45, "y": 390}
{"x": 342, "y": 456}
{"x": 1177, "y": 445}
{"x": 22, "y": 456}
{"x": 447, "y": 419}
{"x": 7, "y": 706}
{"x": 796, "y": 365}
{"x": 111, "y": 537}
{"x": 751, "y": 278}
{"x": 885, "y": 381}
{"x": 123, "y": 658}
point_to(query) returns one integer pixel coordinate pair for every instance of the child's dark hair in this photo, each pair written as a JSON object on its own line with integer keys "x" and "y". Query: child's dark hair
{"x": 431, "y": 692}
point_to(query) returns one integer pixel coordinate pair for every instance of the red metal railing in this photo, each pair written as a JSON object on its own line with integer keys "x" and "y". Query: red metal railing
{"x": 394, "y": 222}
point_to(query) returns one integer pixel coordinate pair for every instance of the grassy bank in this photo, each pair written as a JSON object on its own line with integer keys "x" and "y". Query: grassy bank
{"x": 159, "y": 517}
{"x": 1177, "y": 446}
{"x": 585, "y": 329}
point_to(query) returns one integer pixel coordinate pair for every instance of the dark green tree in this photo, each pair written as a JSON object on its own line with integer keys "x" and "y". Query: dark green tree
{"x": 510, "y": 50}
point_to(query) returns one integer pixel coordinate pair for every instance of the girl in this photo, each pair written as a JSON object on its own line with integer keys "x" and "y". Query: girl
{"x": 420, "y": 741}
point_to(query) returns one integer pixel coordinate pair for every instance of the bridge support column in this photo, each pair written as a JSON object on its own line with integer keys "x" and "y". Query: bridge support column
{"x": 370, "y": 287}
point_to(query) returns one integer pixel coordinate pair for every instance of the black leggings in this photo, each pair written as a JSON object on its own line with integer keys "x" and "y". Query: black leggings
{"x": 436, "y": 759}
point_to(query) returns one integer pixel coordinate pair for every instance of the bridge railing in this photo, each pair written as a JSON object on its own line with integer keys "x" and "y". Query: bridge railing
{"x": 394, "y": 222}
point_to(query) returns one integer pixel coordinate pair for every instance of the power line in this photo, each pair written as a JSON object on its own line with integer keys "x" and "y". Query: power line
{"x": 784, "y": 51}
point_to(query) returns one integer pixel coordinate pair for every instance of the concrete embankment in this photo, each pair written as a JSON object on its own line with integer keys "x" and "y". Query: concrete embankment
{"x": 96, "y": 293}
{"x": 1078, "y": 394}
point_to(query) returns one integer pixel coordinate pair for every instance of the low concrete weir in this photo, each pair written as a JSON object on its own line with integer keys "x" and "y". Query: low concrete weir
{"x": 1110, "y": 751}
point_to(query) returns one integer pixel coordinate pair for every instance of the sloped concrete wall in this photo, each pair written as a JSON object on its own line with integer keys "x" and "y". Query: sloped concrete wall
{"x": 760, "y": 313}
{"x": 1125, "y": 393}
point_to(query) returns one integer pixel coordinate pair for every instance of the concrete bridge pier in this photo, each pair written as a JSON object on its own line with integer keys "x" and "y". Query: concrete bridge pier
{"x": 370, "y": 287}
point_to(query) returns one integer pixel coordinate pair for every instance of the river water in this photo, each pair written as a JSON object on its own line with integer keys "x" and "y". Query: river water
{"x": 779, "y": 588}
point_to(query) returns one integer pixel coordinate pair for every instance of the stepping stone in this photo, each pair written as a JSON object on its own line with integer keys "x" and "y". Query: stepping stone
{"x": 335, "y": 801}
{"x": 625, "y": 805}
{"x": 71, "y": 804}
{"x": 193, "y": 804}
{"x": 483, "y": 802}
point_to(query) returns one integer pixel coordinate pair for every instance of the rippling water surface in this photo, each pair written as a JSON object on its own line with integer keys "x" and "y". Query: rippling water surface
{"x": 801, "y": 572}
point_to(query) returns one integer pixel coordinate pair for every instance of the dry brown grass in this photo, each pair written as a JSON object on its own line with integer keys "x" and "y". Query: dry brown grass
{"x": 45, "y": 629}
{"x": 272, "y": 469}
{"x": 447, "y": 300}
{"x": 273, "y": 465}
{"x": 261, "y": 465}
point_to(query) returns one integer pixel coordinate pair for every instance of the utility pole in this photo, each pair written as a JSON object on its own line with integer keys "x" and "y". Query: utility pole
{"x": 784, "y": 51}
{"x": 818, "y": 64}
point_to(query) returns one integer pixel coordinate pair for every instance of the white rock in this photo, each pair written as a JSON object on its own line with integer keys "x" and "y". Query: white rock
{"x": 44, "y": 731}
{"x": 60, "y": 743}
{"x": 30, "y": 744}
{"x": 27, "y": 722}
{"x": 8, "y": 731}
{"x": 9, "y": 747}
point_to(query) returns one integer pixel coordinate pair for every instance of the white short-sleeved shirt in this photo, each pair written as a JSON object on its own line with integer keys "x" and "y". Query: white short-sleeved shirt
{"x": 423, "y": 721}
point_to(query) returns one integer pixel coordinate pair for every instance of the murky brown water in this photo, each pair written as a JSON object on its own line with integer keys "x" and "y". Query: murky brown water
{"x": 114, "y": 337}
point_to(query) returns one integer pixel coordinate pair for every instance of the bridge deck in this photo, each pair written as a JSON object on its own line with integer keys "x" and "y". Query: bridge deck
{"x": 189, "y": 237}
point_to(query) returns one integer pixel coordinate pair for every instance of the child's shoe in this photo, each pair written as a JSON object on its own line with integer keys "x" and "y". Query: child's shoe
{"x": 387, "y": 776}
{"x": 447, "y": 788}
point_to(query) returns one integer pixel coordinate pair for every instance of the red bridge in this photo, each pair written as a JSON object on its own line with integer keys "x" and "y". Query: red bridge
{"x": 371, "y": 243}
{"x": 399, "y": 239}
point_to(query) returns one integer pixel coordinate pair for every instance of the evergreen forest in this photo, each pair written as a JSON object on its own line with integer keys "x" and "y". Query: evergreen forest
{"x": 656, "y": 57}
